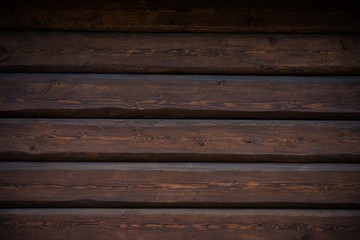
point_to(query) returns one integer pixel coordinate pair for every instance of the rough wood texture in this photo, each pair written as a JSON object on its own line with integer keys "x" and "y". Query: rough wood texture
{"x": 182, "y": 16}
{"x": 48, "y": 50}
{"x": 179, "y": 53}
{"x": 205, "y": 224}
{"x": 172, "y": 140}
{"x": 186, "y": 96}
{"x": 179, "y": 184}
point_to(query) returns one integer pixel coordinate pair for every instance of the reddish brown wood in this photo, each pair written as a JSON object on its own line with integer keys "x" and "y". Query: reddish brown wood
{"x": 179, "y": 184}
{"x": 181, "y": 16}
{"x": 204, "y": 224}
{"x": 120, "y": 48}
{"x": 173, "y": 140}
{"x": 185, "y": 96}
{"x": 179, "y": 53}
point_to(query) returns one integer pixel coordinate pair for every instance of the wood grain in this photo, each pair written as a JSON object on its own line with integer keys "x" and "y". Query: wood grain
{"x": 182, "y": 16}
{"x": 179, "y": 140}
{"x": 184, "y": 96}
{"x": 179, "y": 53}
{"x": 204, "y": 224}
{"x": 203, "y": 179}
{"x": 179, "y": 185}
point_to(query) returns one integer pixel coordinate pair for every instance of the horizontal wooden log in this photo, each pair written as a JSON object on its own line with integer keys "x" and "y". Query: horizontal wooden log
{"x": 181, "y": 16}
{"x": 204, "y": 224}
{"x": 179, "y": 185}
{"x": 174, "y": 140}
{"x": 179, "y": 53}
{"x": 173, "y": 96}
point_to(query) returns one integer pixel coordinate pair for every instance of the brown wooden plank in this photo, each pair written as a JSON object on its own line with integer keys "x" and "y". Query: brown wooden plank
{"x": 181, "y": 16}
{"x": 179, "y": 185}
{"x": 204, "y": 224}
{"x": 184, "y": 96}
{"x": 173, "y": 140}
{"x": 179, "y": 53}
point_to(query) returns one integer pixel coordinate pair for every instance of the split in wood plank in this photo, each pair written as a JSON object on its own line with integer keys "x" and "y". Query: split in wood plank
{"x": 179, "y": 96}
{"x": 179, "y": 185}
{"x": 179, "y": 140}
{"x": 262, "y": 16}
{"x": 203, "y": 224}
{"x": 276, "y": 54}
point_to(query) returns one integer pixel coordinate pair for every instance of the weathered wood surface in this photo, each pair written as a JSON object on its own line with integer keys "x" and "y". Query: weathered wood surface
{"x": 203, "y": 224}
{"x": 182, "y": 16}
{"x": 179, "y": 53}
{"x": 173, "y": 140}
{"x": 48, "y": 50}
{"x": 185, "y": 96}
{"x": 179, "y": 185}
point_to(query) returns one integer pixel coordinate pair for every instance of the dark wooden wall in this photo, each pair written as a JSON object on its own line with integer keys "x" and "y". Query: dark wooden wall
{"x": 207, "y": 120}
